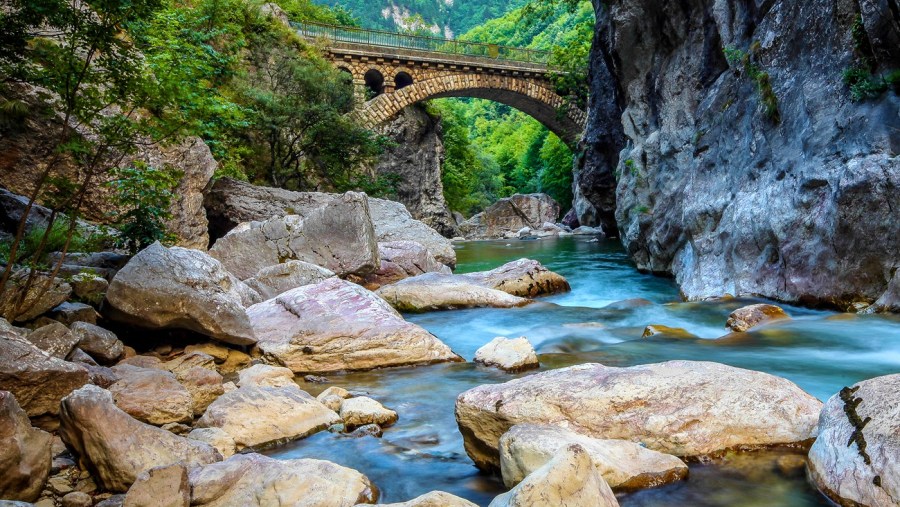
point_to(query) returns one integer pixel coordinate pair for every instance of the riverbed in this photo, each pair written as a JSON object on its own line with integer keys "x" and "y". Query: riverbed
{"x": 601, "y": 320}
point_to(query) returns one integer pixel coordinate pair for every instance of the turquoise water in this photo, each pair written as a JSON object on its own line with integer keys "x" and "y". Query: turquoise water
{"x": 601, "y": 320}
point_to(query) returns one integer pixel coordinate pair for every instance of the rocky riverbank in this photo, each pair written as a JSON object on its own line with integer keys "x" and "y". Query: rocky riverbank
{"x": 755, "y": 176}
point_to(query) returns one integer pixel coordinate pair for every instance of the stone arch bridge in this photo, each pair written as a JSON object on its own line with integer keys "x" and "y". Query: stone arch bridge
{"x": 391, "y": 71}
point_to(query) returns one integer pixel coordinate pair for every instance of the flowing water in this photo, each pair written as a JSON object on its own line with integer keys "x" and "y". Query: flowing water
{"x": 601, "y": 320}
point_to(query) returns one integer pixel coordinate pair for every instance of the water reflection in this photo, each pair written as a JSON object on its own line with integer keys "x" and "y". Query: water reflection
{"x": 820, "y": 351}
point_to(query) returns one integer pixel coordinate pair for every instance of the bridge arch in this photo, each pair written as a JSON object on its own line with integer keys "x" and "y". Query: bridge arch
{"x": 534, "y": 98}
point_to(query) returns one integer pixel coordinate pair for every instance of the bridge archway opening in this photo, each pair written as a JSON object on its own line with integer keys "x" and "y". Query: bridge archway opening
{"x": 402, "y": 80}
{"x": 374, "y": 83}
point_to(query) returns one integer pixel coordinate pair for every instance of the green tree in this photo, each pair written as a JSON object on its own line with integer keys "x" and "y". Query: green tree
{"x": 144, "y": 196}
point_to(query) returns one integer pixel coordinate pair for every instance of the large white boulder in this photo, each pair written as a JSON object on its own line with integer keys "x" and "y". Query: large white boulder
{"x": 178, "y": 288}
{"x": 683, "y": 408}
{"x": 337, "y": 325}
{"x": 856, "y": 459}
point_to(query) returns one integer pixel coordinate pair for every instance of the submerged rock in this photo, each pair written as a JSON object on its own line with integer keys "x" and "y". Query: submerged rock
{"x": 508, "y": 355}
{"x": 684, "y": 408}
{"x": 117, "y": 448}
{"x": 259, "y": 416}
{"x": 337, "y": 325}
{"x": 252, "y": 480}
{"x": 667, "y": 332}
{"x": 743, "y": 319}
{"x": 24, "y": 453}
{"x": 178, "y": 288}
{"x": 568, "y": 480}
{"x": 624, "y": 465}
{"x": 338, "y": 236}
{"x": 854, "y": 459}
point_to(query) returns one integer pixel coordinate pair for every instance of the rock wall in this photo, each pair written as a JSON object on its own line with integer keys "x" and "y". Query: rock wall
{"x": 416, "y": 156}
{"x": 713, "y": 190}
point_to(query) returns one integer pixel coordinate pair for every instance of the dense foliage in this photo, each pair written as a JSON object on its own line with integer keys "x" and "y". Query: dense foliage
{"x": 493, "y": 150}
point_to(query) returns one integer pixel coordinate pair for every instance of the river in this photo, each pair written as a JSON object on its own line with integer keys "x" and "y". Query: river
{"x": 601, "y": 320}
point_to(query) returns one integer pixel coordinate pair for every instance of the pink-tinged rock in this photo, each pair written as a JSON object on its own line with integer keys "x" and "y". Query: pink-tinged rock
{"x": 337, "y": 325}
{"x": 683, "y": 408}
{"x": 856, "y": 459}
{"x": 403, "y": 259}
{"x": 524, "y": 278}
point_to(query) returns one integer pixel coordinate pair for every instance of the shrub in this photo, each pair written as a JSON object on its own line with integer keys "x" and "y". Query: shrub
{"x": 144, "y": 194}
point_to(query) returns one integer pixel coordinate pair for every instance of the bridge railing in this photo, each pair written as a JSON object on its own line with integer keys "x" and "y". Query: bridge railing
{"x": 387, "y": 39}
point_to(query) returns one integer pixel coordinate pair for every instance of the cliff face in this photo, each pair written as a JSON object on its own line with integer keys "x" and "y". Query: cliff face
{"x": 714, "y": 189}
{"x": 416, "y": 156}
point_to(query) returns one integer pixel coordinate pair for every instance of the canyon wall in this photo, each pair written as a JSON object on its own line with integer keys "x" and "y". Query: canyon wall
{"x": 755, "y": 176}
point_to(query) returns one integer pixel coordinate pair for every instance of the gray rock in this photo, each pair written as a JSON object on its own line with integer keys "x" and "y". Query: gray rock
{"x": 510, "y": 215}
{"x": 403, "y": 259}
{"x": 890, "y": 300}
{"x": 12, "y": 209}
{"x": 69, "y": 313}
{"x": 101, "y": 344}
{"x": 116, "y": 447}
{"x": 230, "y": 203}
{"x": 41, "y": 296}
{"x": 416, "y": 156}
{"x": 37, "y": 380}
{"x": 182, "y": 289}
{"x": 339, "y": 237}
{"x": 90, "y": 288}
{"x": 54, "y": 339}
{"x": 275, "y": 280}
{"x": 854, "y": 459}
{"x": 24, "y": 453}
{"x": 712, "y": 190}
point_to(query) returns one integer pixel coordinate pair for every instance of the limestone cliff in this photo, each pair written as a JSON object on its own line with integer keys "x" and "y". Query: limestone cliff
{"x": 800, "y": 202}
{"x": 416, "y": 155}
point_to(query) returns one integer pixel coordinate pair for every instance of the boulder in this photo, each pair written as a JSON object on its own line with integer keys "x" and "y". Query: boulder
{"x": 667, "y": 332}
{"x": 435, "y": 291}
{"x": 510, "y": 215}
{"x": 204, "y": 385}
{"x": 263, "y": 375}
{"x": 89, "y": 288}
{"x": 76, "y": 499}
{"x": 260, "y": 416}
{"x": 433, "y": 499}
{"x": 568, "y": 480}
{"x": 25, "y": 456}
{"x": 38, "y": 381}
{"x": 361, "y": 411}
{"x": 333, "y": 398}
{"x": 252, "y": 480}
{"x": 624, "y": 465}
{"x": 117, "y": 448}
{"x": 69, "y": 313}
{"x": 508, "y": 355}
{"x": 178, "y": 288}
{"x": 403, "y": 259}
{"x": 21, "y": 302}
{"x": 854, "y": 459}
{"x": 218, "y": 352}
{"x": 337, "y": 325}
{"x": 524, "y": 278}
{"x": 684, "y": 408}
{"x": 152, "y": 396}
{"x": 890, "y": 300}
{"x": 215, "y": 437}
{"x": 165, "y": 486}
{"x": 275, "y": 280}
{"x": 339, "y": 237}
{"x": 142, "y": 362}
{"x": 186, "y": 361}
{"x": 231, "y": 202}
{"x": 54, "y": 339}
{"x": 743, "y": 319}
{"x": 101, "y": 344}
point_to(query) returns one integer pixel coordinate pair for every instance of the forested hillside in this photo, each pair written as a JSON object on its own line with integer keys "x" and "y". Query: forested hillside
{"x": 446, "y": 18}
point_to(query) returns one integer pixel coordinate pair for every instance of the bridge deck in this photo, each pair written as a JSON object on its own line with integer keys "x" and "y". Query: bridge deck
{"x": 447, "y": 51}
